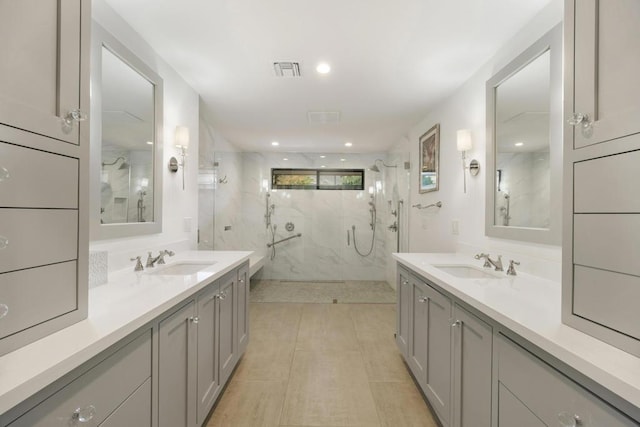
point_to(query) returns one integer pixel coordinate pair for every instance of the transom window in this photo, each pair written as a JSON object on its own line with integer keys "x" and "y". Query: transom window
{"x": 317, "y": 179}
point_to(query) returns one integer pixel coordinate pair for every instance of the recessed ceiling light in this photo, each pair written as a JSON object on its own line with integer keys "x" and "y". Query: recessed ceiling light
{"x": 275, "y": 143}
{"x": 150, "y": 142}
{"x": 343, "y": 160}
{"x": 323, "y": 68}
{"x": 285, "y": 159}
{"x": 519, "y": 144}
{"x": 323, "y": 156}
{"x": 348, "y": 144}
{"x": 323, "y": 166}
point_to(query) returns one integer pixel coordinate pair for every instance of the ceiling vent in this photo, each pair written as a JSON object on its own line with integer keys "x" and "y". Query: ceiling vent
{"x": 287, "y": 69}
{"x": 323, "y": 117}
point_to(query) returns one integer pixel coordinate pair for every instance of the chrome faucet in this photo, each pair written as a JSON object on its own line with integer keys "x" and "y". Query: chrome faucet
{"x": 511, "y": 271}
{"x": 151, "y": 261}
{"x": 138, "y": 261}
{"x": 488, "y": 262}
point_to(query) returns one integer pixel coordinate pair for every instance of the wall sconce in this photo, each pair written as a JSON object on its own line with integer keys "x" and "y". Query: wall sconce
{"x": 464, "y": 144}
{"x": 181, "y": 143}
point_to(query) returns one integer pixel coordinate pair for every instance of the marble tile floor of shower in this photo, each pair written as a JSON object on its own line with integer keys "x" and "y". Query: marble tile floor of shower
{"x": 349, "y": 291}
{"x": 321, "y": 365}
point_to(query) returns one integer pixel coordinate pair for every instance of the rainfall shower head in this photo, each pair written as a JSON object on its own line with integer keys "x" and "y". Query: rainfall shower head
{"x": 375, "y": 167}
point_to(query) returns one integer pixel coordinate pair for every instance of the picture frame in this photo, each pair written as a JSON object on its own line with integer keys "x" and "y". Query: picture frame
{"x": 429, "y": 172}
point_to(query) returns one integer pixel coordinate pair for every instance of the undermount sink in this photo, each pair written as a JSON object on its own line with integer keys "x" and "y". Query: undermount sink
{"x": 181, "y": 268}
{"x": 467, "y": 272}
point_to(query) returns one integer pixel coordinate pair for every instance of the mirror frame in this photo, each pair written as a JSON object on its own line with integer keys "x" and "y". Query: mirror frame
{"x": 101, "y": 38}
{"x": 551, "y": 42}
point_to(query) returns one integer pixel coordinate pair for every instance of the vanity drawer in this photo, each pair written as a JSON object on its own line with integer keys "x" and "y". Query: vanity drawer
{"x": 607, "y": 241}
{"x": 607, "y": 184}
{"x": 135, "y": 411}
{"x": 34, "y": 237}
{"x": 608, "y": 298}
{"x": 99, "y": 392}
{"x": 548, "y": 394}
{"x": 36, "y": 295}
{"x": 36, "y": 179}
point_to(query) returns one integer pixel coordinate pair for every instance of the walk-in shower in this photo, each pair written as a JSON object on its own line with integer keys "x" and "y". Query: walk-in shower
{"x": 272, "y": 228}
{"x": 374, "y": 219}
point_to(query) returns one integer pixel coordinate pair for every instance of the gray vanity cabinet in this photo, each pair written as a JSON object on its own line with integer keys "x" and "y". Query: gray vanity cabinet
{"x": 430, "y": 345}
{"x": 208, "y": 377}
{"x": 472, "y": 359}
{"x": 227, "y": 325}
{"x": 44, "y": 163}
{"x": 242, "y": 308}
{"x": 601, "y": 278}
{"x": 177, "y": 368}
{"x": 533, "y": 393}
{"x": 403, "y": 310}
{"x": 42, "y": 84}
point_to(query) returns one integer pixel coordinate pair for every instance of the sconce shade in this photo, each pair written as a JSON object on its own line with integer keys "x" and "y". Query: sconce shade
{"x": 182, "y": 137}
{"x": 464, "y": 140}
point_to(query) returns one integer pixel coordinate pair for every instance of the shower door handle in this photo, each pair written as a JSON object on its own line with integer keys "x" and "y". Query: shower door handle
{"x": 348, "y": 238}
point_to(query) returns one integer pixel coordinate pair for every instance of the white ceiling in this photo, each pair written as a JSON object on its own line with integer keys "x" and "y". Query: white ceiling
{"x": 391, "y": 60}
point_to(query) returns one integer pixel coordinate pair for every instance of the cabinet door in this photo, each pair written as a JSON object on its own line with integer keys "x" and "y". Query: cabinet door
{"x": 403, "y": 310}
{"x": 227, "y": 326}
{"x": 607, "y": 39}
{"x": 177, "y": 369}
{"x": 473, "y": 341}
{"x": 208, "y": 367}
{"x": 243, "y": 308}
{"x": 418, "y": 330}
{"x": 40, "y": 85}
{"x": 438, "y": 368}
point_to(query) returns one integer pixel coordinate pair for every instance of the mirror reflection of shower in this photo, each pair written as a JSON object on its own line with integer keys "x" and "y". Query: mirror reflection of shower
{"x": 504, "y": 210}
{"x": 141, "y": 206}
{"x": 374, "y": 216}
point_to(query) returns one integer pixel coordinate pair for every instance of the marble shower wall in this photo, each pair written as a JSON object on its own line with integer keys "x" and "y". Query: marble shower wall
{"x": 322, "y": 216}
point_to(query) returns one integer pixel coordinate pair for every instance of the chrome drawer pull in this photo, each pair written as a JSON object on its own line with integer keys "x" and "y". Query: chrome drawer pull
{"x": 84, "y": 415}
{"x": 4, "y": 174}
{"x": 4, "y": 310}
{"x": 4, "y": 242}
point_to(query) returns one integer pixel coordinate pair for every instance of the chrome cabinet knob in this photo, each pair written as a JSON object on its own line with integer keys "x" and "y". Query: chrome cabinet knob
{"x": 194, "y": 320}
{"x": 241, "y": 280}
{"x": 568, "y": 419}
{"x": 74, "y": 116}
{"x": 406, "y": 282}
{"x": 423, "y": 299}
{"x": 456, "y": 323}
{"x": 4, "y": 242}
{"x": 84, "y": 415}
{"x": 4, "y": 310}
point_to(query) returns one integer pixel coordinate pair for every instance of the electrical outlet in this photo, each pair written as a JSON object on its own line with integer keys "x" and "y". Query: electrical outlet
{"x": 455, "y": 227}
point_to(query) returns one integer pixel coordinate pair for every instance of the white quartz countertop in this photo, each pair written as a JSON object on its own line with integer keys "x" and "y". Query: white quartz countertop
{"x": 127, "y": 302}
{"x": 531, "y": 307}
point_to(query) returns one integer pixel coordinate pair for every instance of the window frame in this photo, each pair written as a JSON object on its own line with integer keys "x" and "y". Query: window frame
{"x": 318, "y": 173}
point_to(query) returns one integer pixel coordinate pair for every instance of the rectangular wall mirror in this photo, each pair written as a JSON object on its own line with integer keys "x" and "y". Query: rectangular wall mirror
{"x": 127, "y": 137}
{"x": 524, "y": 145}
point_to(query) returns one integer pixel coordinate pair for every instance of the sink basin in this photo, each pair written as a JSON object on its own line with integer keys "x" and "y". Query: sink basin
{"x": 181, "y": 269}
{"x": 467, "y": 272}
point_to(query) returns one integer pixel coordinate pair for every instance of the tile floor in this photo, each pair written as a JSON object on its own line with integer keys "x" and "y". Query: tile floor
{"x": 321, "y": 365}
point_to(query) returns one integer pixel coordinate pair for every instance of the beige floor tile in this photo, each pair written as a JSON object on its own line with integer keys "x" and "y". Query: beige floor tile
{"x": 326, "y": 327}
{"x": 266, "y": 360}
{"x": 329, "y": 389}
{"x": 250, "y": 404}
{"x": 401, "y": 404}
{"x": 278, "y": 321}
{"x": 383, "y": 362}
{"x": 373, "y": 322}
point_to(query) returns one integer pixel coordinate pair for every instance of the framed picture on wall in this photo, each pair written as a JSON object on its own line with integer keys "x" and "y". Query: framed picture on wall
{"x": 429, "y": 160}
